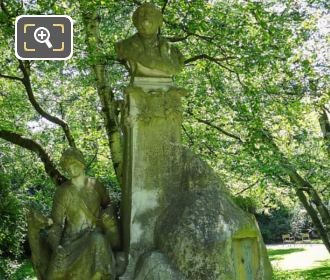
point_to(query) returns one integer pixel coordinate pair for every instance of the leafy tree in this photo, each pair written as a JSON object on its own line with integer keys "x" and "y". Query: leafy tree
{"x": 12, "y": 225}
{"x": 256, "y": 73}
{"x": 274, "y": 224}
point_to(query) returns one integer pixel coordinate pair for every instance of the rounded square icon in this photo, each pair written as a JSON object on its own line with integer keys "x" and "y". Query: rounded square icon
{"x": 43, "y": 37}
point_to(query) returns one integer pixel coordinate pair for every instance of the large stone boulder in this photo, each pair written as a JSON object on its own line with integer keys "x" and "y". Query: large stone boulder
{"x": 156, "y": 266}
{"x": 205, "y": 234}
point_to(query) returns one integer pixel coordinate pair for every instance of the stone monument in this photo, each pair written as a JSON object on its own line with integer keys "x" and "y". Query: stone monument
{"x": 75, "y": 242}
{"x": 179, "y": 222}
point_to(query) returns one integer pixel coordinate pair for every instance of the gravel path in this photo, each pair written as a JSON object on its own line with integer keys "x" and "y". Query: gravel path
{"x": 310, "y": 257}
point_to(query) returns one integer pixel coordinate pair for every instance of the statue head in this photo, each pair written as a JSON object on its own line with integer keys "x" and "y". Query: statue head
{"x": 72, "y": 162}
{"x": 147, "y": 19}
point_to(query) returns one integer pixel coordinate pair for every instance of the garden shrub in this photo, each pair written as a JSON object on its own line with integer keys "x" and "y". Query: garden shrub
{"x": 12, "y": 227}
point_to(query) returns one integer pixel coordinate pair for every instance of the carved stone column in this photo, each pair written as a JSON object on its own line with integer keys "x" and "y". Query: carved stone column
{"x": 152, "y": 157}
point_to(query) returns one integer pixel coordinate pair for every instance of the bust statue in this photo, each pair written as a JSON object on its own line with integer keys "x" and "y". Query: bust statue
{"x": 79, "y": 245}
{"x": 146, "y": 53}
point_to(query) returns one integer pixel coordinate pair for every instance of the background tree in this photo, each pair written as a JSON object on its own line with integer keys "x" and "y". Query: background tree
{"x": 257, "y": 109}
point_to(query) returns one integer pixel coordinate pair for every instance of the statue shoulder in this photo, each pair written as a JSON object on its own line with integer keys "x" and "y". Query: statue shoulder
{"x": 171, "y": 49}
{"x": 124, "y": 48}
{"x": 62, "y": 193}
{"x": 96, "y": 183}
{"x": 101, "y": 190}
{"x": 92, "y": 181}
{"x": 62, "y": 189}
{"x": 99, "y": 185}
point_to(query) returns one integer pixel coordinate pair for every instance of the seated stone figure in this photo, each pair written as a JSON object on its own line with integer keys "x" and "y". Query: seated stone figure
{"x": 148, "y": 54}
{"x": 80, "y": 248}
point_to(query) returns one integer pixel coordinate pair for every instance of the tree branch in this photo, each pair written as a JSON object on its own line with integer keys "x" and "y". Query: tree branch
{"x": 236, "y": 137}
{"x": 206, "y": 56}
{"x": 33, "y": 146}
{"x": 28, "y": 87}
{"x": 164, "y": 5}
{"x": 300, "y": 183}
{"x": 247, "y": 188}
{"x": 191, "y": 140}
{"x": 4, "y": 8}
{"x": 189, "y": 34}
{"x": 10, "y": 77}
{"x": 177, "y": 39}
{"x": 10, "y": 16}
{"x": 88, "y": 165}
{"x": 184, "y": 29}
{"x": 283, "y": 181}
{"x": 324, "y": 189}
{"x": 212, "y": 59}
{"x": 220, "y": 129}
{"x": 325, "y": 127}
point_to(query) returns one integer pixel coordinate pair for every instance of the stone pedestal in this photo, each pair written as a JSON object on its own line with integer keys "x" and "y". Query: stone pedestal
{"x": 179, "y": 219}
{"x": 152, "y": 159}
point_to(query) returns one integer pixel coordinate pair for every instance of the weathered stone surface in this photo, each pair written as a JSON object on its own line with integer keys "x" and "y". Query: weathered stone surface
{"x": 205, "y": 234}
{"x": 148, "y": 84}
{"x": 78, "y": 245}
{"x": 40, "y": 249}
{"x": 178, "y": 204}
{"x": 152, "y": 157}
{"x": 155, "y": 266}
{"x": 146, "y": 53}
{"x": 178, "y": 219}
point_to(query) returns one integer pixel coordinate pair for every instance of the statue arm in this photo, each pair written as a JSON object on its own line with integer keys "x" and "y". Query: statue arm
{"x": 108, "y": 217}
{"x": 120, "y": 50}
{"x": 171, "y": 60}
{"x": 104, "y": 194}
{"x": 180, "y": 58}
{"x": 58, "y": 216}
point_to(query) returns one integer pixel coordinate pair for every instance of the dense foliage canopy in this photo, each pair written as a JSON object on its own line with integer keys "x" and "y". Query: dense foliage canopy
{"x": 257, "y": 73}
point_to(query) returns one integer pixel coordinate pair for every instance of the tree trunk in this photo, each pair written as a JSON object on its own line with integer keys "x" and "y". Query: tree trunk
{"x": 312, "y": 193}
{"x": 325, "y": 127}
{"x": 109, "y": 107}
{"x": 313, "y": 214}
{"x": 303, "y": 185}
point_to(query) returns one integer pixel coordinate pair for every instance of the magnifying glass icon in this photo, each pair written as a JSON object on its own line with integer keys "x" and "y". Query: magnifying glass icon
{"x": 41, "y": 35}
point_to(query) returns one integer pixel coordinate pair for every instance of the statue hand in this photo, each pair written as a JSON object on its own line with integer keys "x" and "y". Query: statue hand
{"x": 110, "y": 229}
{"x": 107, "y": 220}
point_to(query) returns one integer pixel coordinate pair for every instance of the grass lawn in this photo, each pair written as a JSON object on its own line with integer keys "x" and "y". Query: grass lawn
{"x": 278, "y": 254}
{"x": 24, "y": 270}
{"x": 321, "y": 271}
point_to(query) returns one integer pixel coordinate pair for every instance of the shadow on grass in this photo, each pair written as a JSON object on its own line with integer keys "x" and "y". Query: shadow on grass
{"x": 277, "y": 254}
{"x": 322, "y": 272}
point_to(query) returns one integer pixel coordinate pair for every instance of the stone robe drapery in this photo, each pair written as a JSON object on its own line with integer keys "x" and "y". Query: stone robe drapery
{"x": 80, "y": 249}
